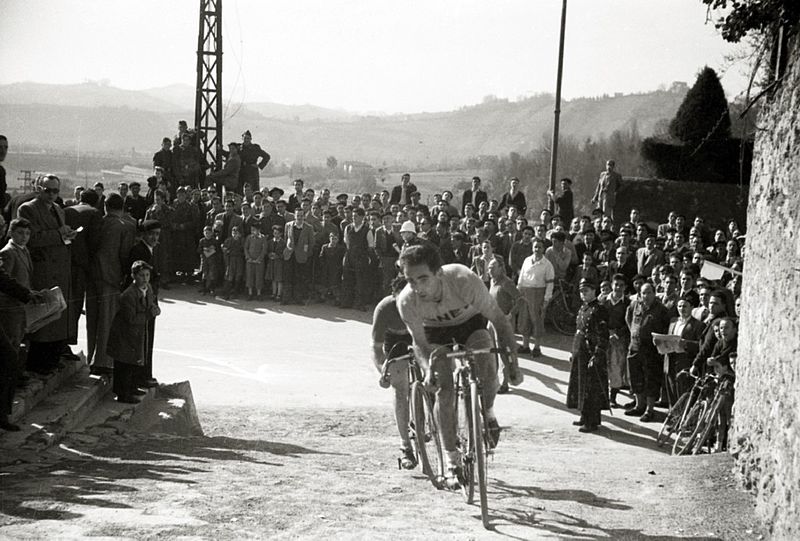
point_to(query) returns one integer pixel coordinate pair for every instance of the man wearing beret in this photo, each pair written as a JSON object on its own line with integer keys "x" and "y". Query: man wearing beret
{"x": 588, "y": 377}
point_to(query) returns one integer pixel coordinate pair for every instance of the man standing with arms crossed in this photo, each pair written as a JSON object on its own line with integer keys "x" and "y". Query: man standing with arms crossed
{"x": 441, "y": 304}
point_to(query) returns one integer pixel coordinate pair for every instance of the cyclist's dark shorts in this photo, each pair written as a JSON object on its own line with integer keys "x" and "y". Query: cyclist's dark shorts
{"x": 390, "y": 339}
{"x": 459, "y": 333}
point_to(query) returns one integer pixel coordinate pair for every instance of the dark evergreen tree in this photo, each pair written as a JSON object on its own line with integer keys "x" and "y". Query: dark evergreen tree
{"x": 703, "y": 113}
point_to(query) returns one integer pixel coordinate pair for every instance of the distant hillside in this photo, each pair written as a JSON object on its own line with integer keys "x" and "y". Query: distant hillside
{"x": 93, "y": 117}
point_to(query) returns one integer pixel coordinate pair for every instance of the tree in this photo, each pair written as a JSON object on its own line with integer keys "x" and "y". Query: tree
{"x": 703, "y": 115}
{"x": 331, "y": 162}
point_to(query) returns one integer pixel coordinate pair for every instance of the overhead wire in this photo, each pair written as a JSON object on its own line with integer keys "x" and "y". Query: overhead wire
{"x": 240, "y": 72}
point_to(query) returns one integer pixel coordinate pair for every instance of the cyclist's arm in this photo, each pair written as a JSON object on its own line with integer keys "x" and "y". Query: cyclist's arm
{"x": 505, "y": 333}
{"x": 422, "y": 348}
{"x": 379, "y": 326}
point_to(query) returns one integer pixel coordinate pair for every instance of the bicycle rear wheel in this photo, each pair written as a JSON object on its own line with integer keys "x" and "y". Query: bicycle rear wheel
{"x": 426, "y": 434}
{"x": 466, "y": 443}
{"x": 673, "y": 420}
{"x": 478, "y": 436}
{"x": 689, "y": 428}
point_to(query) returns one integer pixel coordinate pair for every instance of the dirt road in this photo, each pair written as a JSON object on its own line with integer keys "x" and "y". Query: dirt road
{"x": 300, "y": 443}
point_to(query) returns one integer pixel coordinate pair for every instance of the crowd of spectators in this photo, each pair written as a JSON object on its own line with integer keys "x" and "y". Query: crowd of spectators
{"x": 235, "y": 239}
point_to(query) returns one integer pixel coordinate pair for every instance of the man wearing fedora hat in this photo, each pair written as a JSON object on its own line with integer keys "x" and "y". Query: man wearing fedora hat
{"x": 588, "y": 377}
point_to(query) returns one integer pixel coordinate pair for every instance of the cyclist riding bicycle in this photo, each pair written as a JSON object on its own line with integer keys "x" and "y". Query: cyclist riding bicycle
{"x": 443, "y": 304}
{"x": 388, "y": 331}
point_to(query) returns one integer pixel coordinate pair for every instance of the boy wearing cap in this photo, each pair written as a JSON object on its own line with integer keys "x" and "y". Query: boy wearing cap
{"x": 147, "y": 250}
{"x": 129, "y": 341}
{"x": 588, "y": 379}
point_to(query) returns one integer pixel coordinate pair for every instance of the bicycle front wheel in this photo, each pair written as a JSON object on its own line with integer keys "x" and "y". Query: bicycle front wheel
{"x": 466, "y": 443}
{"x": 689, "y": 428}
{"x": 478, "y": 432}
{"x": 708, "y": 425}
{"x": 426, "y": 434}
{"x": 673, "y": 420}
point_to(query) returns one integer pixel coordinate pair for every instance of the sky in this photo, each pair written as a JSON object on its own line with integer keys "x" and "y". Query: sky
{"x": 371, "y": 55}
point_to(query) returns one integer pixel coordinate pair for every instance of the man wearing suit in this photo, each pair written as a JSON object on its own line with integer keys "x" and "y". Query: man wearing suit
{"x": 83, "y": 215}
{"x": 146, "y": 249}
{"x": 299, "y": 244}
{"x": 49, "y": 248}
{"x": 229, "y": 220}
{"x": 107, "y": 274}
{"x": 514, "y": 197}
{"x": 690, "y": 330}
{"x": 402, "y": 194}
{"x": 474, "y": 195}
{"x": 648, "y": 257}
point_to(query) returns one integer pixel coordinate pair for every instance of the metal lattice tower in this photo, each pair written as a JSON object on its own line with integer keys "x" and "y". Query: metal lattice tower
{"x": 208, "y": 98}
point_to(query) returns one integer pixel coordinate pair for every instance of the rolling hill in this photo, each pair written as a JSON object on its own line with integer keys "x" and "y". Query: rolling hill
{"x": 97, "y": 118}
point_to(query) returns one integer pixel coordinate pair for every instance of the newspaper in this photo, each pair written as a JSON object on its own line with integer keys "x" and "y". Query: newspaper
{"x": 48, "y": 309}
{"x": 668, "y": 343}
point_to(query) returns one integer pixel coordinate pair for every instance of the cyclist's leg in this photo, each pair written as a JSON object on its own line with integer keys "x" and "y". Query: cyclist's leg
{"x": 487, "y": 367}
{"x": 398, "y": 378}
{"x": 445, "y": 406}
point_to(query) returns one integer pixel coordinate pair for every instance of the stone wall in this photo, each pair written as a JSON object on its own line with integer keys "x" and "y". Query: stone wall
{"x": 767, "y": 410}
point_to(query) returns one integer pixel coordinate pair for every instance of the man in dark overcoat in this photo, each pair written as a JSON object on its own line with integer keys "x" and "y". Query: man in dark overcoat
{"x": 50, "y": 255}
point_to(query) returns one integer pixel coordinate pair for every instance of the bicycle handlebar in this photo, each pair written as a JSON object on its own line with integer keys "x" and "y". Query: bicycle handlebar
{"x": 384, "y": 380}
{"x": 478, "y": 351}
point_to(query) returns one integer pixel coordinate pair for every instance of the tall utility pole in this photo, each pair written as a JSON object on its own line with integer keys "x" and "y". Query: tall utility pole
{"x": 208, "y": 97}
{"x": 554, "y": 154}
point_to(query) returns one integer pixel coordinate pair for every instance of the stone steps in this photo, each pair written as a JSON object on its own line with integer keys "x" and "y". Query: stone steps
{"x": 39, "y": 387}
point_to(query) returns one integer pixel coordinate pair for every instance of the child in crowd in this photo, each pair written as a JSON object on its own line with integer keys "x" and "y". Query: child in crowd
{"x": 127, "y": 343}
{"x": 233, "y": 252}
{"x": 274, "y": 273}
{"x": 331, "y": 256}
{"x": 587, "y": 271}
{"x": 16, "y": 261}
{"x": 255, "y": 250}
{"x": 210, "y": 260}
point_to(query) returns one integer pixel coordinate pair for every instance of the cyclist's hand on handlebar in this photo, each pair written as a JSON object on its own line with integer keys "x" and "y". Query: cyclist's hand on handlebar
{"x": 694, "y": 371}
{"x": 384, "y": 382}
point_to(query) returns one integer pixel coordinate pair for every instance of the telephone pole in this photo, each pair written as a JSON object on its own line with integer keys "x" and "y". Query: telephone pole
{"x": 554, "y": 153}
{"x": 208, "y": 97}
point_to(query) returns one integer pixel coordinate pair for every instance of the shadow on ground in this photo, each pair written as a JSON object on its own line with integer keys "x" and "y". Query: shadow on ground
{"x": 37, "y": 492}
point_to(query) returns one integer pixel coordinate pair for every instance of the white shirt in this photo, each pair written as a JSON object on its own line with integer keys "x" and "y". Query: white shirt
{"x": 537, "y": 274}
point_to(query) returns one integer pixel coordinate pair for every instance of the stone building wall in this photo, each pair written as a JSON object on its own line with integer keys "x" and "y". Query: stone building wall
{"x": 767, "y": 410}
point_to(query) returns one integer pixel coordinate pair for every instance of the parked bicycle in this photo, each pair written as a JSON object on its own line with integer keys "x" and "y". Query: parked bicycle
{"x": 562, "y": 310}
{"x": 422, "y": 428}
{"x": 702, "y": 394}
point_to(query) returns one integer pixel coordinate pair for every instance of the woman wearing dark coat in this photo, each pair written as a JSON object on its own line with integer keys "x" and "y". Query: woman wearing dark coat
{"x": 588, "y": 378}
